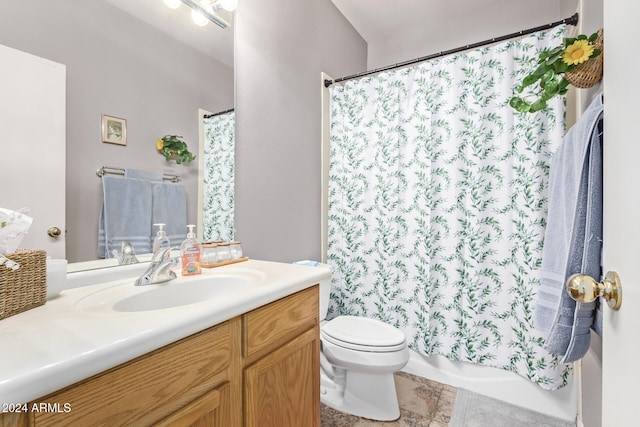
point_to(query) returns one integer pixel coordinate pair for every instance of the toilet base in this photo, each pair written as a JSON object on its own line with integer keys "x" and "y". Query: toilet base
{"x": 367, "y": 395}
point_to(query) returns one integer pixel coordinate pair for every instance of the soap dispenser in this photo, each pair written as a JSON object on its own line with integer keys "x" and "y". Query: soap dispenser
{"x": 161, "y": 241}
{"x": 190, "y": 251}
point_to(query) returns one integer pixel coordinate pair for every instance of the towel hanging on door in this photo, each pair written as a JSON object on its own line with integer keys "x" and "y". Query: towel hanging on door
{"x": 573, "y": 237}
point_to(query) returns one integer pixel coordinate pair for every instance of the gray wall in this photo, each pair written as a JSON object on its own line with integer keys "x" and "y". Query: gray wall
{"x": 282, "y": 46}
{"x": 120, "y": 66}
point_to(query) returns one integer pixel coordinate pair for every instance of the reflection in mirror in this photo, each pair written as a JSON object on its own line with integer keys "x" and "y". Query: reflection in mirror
{"x": 217, "y": 192}
{"x": 133, "y": 205}
{"x": 139, "y": 61}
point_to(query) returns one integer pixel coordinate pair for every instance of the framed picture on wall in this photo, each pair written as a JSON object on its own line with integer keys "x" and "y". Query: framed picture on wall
{"x": 114, "y": 130}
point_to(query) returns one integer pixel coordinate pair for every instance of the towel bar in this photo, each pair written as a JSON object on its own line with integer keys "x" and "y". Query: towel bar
{"x": 120, "y": 171}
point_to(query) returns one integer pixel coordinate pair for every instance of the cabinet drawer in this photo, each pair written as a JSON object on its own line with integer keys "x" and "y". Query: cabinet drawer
{"x": 210, "y": 410}
{"x": 268, "y": 327}
{"x": 149, "y": 388}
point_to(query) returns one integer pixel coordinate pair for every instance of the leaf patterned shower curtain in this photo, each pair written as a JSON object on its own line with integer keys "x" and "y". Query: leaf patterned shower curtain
{"x": 437, "y": 204}
{"x": 219, "y": 177}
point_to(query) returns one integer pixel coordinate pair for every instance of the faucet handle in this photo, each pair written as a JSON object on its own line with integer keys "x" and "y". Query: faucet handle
{"x": 162, "y": 254}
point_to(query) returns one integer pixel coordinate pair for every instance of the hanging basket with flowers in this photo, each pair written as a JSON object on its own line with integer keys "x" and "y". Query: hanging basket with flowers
{"x": 578, "y": 61}
{"x": 172, "y": 147}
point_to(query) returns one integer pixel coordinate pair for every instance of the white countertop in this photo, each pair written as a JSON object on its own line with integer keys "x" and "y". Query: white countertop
{"x": 62, "y": 342}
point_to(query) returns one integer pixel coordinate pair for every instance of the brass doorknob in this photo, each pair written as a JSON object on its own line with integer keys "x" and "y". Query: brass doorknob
{"x": 585, "y": 289}
{"x": 54, "y": 232}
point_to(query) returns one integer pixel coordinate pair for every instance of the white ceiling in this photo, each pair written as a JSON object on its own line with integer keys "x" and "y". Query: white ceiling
{"x": 401, "y": 30}
{"x": 380, "y": 19}
{"x": 377, "y": 20}
{"x": 210, "y": 39}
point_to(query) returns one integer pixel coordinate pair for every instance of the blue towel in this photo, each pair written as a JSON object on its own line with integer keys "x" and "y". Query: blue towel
{"x": 169, "y": 207}
{"x": 140, "y": 174}
{"x": 573, "y": 237}
{"x": 125, "y": 215}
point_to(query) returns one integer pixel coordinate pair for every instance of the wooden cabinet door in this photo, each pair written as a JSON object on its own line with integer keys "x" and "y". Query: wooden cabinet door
{"x": 282, "y": 389}
{"x": 210, "y": 410}
{"x": 15, "y": 419}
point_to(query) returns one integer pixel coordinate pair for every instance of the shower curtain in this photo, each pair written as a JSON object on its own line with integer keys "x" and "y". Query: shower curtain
{"x": 437, "y": 204}
{"x": 219, "y": 166}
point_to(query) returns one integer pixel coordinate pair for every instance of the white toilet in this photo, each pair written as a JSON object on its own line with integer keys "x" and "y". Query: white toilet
{"x": 358, "y": 358}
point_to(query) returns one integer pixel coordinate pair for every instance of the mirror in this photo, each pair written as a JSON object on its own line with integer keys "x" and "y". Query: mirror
{"x": 139, "y": 61}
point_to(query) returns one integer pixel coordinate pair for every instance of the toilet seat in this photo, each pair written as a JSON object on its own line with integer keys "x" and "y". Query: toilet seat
{"x": 363, "y": 334}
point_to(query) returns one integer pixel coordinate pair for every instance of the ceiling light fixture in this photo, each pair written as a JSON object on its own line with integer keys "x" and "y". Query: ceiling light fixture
{"x": 173, "y": 4}
{"x": 228, "y": 5}
{"x": 206, "y": 10}
{"x": 198, "y": 18}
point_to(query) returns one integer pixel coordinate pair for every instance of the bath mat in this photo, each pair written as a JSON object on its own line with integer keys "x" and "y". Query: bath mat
{"x": 475, "y": 410}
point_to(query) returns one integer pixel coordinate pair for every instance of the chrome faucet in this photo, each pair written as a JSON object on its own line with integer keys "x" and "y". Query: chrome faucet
{"x": 159, "y": 270}
{"x": 127, "y": 254}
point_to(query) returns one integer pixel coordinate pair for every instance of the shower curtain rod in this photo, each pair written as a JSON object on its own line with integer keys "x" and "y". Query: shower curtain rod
{"x": 208, "y": 116}
{"x": 573, "y": 20}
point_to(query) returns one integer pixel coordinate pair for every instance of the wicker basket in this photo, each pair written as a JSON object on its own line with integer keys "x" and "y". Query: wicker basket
{"x": 25, "y": 288}
{"x": 590, "y": 72}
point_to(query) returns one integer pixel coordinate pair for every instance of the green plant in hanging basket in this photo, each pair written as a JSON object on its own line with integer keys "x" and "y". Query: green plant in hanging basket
{"x": 172, "y": 147}
{"x": 552, "y": 66}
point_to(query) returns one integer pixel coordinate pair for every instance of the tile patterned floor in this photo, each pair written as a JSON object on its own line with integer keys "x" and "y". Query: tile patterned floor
{"x": 423, "y": 403}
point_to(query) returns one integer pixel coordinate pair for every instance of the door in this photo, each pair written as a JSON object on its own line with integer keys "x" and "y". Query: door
{"x": 621, "y": 348}
{"x": 32, "y": 146}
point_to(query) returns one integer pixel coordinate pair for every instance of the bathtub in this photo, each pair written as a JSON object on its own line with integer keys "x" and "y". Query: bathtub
{"x": 499, "y": 384}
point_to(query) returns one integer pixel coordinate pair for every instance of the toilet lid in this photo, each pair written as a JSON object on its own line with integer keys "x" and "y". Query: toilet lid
{"x": 362, "y": 333}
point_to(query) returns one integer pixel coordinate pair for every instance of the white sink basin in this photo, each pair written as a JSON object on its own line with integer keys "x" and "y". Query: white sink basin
{"x": 172, "y": 295}
{"x": 123, "y": 296}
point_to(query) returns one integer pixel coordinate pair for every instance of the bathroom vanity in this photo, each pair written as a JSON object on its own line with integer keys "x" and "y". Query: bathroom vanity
{"x": 259, "y": 366}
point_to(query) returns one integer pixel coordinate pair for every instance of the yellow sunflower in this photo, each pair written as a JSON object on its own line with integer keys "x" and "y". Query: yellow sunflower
{"x": 159, "y": 144}
{"x": 578, "y": 52}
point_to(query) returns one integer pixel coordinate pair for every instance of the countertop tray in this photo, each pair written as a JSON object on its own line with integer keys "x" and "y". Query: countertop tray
{"x": 220, "y": 264}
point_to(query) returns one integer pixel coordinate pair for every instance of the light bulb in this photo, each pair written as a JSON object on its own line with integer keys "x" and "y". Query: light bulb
{"x": 198, "y": 18}
{"x": 173, "y": 4}
{"x": 229, "y": 5}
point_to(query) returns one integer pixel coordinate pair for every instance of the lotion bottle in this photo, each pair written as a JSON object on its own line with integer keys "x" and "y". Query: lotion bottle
{"x": 161, "y": 241}
{"x": 190, "y": 252}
